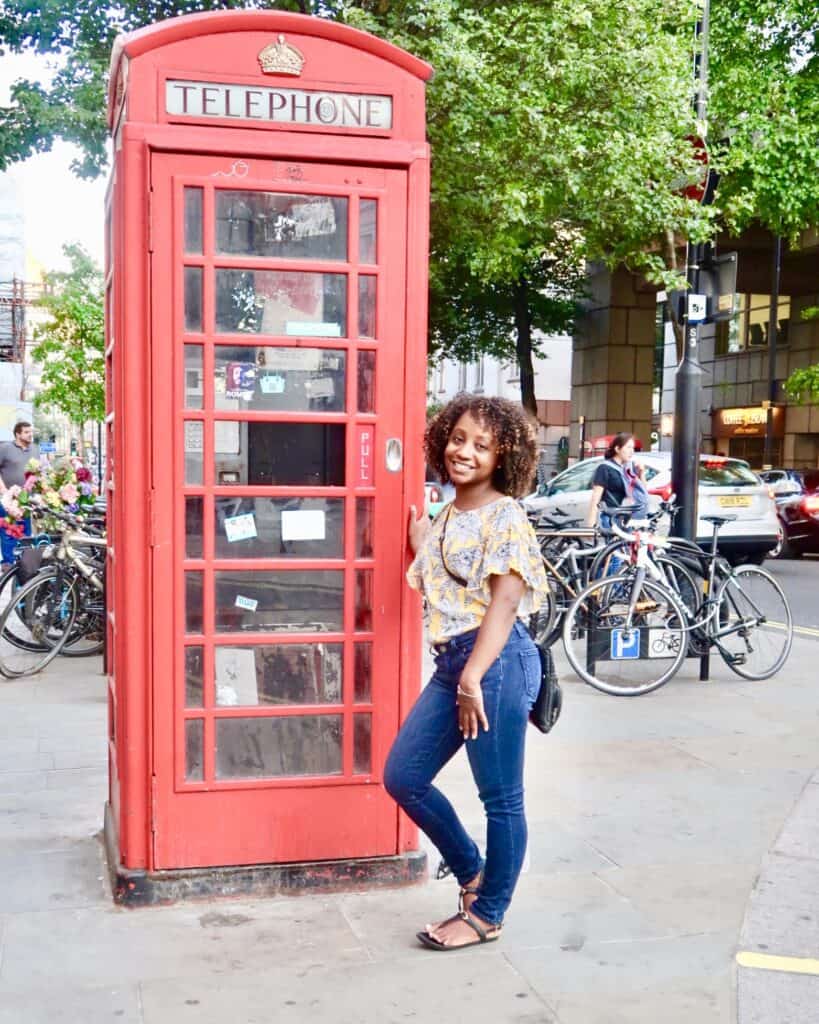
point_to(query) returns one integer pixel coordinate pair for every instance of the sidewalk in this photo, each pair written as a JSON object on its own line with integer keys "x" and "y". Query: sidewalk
{"x": 650, "y": 820}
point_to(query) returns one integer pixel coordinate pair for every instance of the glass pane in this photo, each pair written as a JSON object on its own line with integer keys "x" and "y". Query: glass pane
{"x": 193, "y": 602}
{"x": 281, "y": 454}
{"x": 253, "y": 748}
{"x": 289, "y": 302}
{"x": 193, "y": 220}
{"x": 194, "y": 440}
{"x": 363, "y": 672}
{"x": 194, "y": 750}
{"x": 193, "y": 677}
{"x": 193, "y": 377}
{"x": 364, "y": 528}
{"x": 277, "y": 378}
{"x": 193, "y": 527}
{"x": 193, "y": 298}
{"x": 284, "y": 674}
{"x": 367, "y": 231}
{"x": 362, "y": 744}
{"x": 366, "y": 306}
{"x": 280, "y": 602}
{"x": 366, "y": 381}
{"x": 279, "y": 528}
{"x": 281, "y": 225}
{"x": 363, "y": 601}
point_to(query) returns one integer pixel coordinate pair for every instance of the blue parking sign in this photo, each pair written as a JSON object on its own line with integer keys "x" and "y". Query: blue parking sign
{"x": 625, "y": 643}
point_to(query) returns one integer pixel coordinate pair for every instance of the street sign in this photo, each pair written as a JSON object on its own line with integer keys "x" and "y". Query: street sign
{"x": 697, "y": 308}
{"x": 47, "y": 447}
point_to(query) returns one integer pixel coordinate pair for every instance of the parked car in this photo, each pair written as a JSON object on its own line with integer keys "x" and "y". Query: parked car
{"x": 725, "y": 486}
{"x": 783, "y": 481}
{"x": 435, "y": 495}
{"x": 798, "y": 511}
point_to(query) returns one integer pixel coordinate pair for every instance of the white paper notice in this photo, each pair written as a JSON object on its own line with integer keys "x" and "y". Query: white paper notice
{"x": 312, "y": 329}
{"x": 303, "y": 524}
{"x": 241, "y": 527}
{"x": 236, "y": 676}
{"x": 249, "y": 604}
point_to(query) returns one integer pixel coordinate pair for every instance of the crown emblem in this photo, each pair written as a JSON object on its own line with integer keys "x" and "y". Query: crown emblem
{"x": 280, "y": 58}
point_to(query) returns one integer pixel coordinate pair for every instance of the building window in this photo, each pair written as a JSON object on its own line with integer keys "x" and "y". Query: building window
{"x": 514, "y": 372}
{"x": 749, "y": 329}
{"x": 441, "y": 376}
{"x": 480, "y": 370}
{"x": 462, "y": 376}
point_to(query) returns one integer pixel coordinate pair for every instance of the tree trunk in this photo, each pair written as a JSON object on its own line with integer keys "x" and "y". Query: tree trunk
{"x": 523, "y": 347}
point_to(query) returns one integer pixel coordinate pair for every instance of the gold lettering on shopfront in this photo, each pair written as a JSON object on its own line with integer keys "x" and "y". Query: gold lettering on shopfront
{"x": 283, "y": 106}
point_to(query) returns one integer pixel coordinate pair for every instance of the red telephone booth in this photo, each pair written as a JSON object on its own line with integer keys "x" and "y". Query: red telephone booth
{"x": 266, "y": 357}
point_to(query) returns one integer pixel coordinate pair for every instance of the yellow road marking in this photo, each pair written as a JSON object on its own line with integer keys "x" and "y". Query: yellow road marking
{"x": 801, "y": 630}
{"x": 788, "y": 964}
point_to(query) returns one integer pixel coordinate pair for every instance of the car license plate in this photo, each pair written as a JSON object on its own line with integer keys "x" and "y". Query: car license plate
{"x": 735, "y": 501}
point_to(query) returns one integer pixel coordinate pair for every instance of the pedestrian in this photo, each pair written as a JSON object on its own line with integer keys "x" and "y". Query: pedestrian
{"x": 617, "y": 480}
{"x": 479, "y": 569}
{"x": 14, "y": 457}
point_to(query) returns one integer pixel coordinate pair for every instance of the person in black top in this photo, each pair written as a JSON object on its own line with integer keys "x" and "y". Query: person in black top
{"x": 611, "y": 481}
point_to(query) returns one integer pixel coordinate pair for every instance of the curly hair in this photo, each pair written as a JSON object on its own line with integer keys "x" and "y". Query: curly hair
{"x": 512, "y": 431}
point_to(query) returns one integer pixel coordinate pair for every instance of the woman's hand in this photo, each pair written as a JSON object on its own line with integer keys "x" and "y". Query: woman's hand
{"x": 418, "y": 528}
{"x": 471, "y": 713}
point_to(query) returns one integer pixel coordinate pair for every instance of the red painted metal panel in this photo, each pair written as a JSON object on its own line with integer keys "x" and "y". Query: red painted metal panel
{"x": 162, "y": 818}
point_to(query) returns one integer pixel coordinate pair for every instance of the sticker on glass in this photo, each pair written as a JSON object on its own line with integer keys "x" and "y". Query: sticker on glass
{"x": 312, "y": 329}
{"x": 240, "y": 380}
{"x": 249, "y": 604}
{"x": 272, "y": 384}
{"x": 303, "y": 524}
{"x": 241, "y": 527}
{"x": 320, "y": 387}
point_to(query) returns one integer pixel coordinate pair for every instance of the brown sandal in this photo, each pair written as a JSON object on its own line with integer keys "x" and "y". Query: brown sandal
{"x": 483, "y": 936}
{"x": 469, "y": 890}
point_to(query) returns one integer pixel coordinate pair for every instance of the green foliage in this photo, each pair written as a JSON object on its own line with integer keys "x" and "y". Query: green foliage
{"x": 764, "y": 104}
{"x": 803, "y": 385}
{"x": 71, "y": 344}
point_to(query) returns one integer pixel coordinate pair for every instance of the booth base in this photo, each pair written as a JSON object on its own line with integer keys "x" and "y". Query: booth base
{"x": 140, "y": 888}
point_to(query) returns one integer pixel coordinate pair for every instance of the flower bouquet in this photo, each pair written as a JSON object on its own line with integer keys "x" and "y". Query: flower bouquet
{"x": 66, "y": 485}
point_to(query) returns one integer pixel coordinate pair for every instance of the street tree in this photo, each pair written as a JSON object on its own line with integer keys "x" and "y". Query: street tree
{"x": 70, "y": 345}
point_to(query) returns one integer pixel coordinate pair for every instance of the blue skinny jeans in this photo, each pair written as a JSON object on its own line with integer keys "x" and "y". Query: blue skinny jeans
{"x": 430, "y": 737}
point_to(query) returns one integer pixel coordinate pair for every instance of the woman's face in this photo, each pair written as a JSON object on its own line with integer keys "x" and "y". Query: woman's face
{"x": 626, "y": 452}
{"x": 471, "y": 453}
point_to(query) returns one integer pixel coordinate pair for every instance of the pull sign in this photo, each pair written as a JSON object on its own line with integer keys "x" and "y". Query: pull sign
{"x": 696, "y": 309}
{"x": 364, "y": 452}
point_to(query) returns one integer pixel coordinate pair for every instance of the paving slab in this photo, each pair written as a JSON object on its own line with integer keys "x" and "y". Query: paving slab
{"x": 771, "y": 997}
{"x": 459, "y": 988}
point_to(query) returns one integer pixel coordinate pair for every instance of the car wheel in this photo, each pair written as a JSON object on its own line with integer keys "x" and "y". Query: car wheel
{"x": 787, "y": 550}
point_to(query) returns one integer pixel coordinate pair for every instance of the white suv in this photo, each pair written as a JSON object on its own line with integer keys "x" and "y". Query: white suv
{"x": 726, "y": 486}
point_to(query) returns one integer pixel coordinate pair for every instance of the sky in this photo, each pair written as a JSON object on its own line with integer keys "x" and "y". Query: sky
{"x": 58, "y": 207}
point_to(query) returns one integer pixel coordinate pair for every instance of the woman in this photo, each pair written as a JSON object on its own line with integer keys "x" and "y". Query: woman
{"x": 617, "y": 479}
{"x": 479, "y": 568}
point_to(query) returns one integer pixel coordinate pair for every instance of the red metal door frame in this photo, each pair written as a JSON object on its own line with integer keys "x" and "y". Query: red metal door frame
{"x": 217, "y": 822}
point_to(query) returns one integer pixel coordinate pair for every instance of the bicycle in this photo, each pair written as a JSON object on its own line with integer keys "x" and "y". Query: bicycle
{"x": 623, "y": 618}
{"x": 61, "y": 609}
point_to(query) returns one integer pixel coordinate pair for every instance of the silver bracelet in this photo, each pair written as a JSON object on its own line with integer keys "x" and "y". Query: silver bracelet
{"x": 464, "y": 693}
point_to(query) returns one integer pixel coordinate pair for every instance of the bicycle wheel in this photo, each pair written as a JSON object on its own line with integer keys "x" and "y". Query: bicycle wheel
{"x": 87, "y": 635}
{"x": 621, "y": 659}
{"x": 754, "y": 629}
{"x": 542, "y": 622}
{"x": 39, "y": 618}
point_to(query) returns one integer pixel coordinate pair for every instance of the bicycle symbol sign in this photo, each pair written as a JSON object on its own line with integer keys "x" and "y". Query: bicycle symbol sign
{"x": 664, "y": 643}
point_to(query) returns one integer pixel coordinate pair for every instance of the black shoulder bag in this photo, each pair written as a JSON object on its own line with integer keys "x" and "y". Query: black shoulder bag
{"x": 549, "y": 701}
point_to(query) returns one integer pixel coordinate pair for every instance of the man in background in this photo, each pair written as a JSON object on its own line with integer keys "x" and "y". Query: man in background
{"x": 14, "y": 457}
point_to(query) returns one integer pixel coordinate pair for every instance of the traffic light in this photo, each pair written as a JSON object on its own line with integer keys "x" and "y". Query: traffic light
{"x": 73, "y": 446}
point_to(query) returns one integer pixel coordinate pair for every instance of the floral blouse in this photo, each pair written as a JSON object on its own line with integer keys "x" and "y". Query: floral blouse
{"x": 493, "y": 540}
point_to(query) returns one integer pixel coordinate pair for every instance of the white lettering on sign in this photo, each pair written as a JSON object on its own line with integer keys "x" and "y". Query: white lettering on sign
{"x": 285, "y": 106}
{"x": 744, "y": 417}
